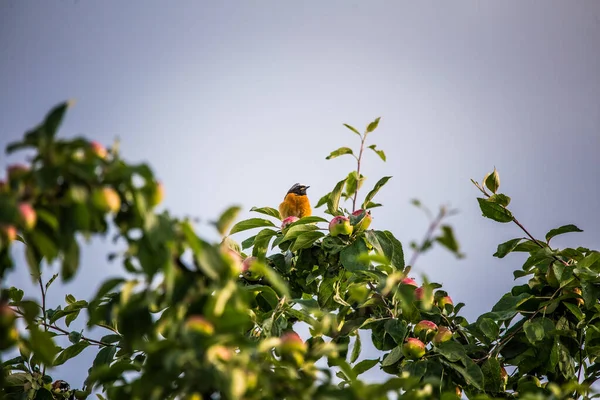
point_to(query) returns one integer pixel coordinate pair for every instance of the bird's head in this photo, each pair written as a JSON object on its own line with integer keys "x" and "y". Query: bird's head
{"x": 298, "y": 189}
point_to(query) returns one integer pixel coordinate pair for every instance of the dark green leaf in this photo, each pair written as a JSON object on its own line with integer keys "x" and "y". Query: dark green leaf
{"x": 491, "y": 375}
{"x": 392, "y": 357}
{"x": 385, "y": 243}
{"x": 339, "y": 152}
{"x": 349, "y": 256}
{"x": 323, "y": 200}
{"x": 375, "y": 189}
{"x": 452, "y": 351}
{"x": 250, "y": 224}
{"x": 261, "y": 242}
{"x": 325, "y": 294}
{"x": 105, "y": 356}
{"x": 227, "y": 218}
{"x": 54, "y": 119}
{"x": 506, "y": 247}
{"x": 42, "y": 345}
{"x": 15, "y": 294}
{"x": 373, "y": 125}
{"x": 353, "y": 129}
{"x": 380, "y": 153}
{"x": 306, "y": 240}
{"x": 488, "y": 327}
{"x": 396, "y": 329}
{"x": 559, "y": 231}
{"x": 494, "y": 211}
{"x": 70, "y": 352}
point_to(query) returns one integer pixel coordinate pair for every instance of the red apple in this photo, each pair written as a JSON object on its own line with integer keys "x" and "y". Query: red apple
{"x": 27, "y": 216}
{"x": 288, "y": 221}
{"x": 340, "y": 225}
{"x": 425, "y": 330}
{"x": 409, "y": 281}
{"x": 413, "y": 349}
{"x": 199, "y": 324}
{"x": 107, "y": 199}
{"x": 419, "y": 293}
{"x": 291, "y": 341}
{"x": 443, "y": 335}
{"x": 446, "y": 300}
{"x": 9, "y": 233}
{"x": 98, "y": 149}
{"x": 363, "y": 220}
{"x": 249, "y": 271}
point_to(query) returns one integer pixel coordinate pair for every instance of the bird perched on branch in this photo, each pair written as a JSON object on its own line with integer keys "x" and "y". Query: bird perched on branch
{"x": 295, "y": 203}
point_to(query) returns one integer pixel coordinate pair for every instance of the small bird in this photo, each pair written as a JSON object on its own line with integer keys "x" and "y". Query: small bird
{"x": 295, "y": 203}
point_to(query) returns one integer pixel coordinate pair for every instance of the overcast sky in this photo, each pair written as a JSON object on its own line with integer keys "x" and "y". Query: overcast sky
{"x": 233, "y": 102}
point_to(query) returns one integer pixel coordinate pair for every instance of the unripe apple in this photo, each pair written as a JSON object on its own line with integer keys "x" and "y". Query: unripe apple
{"x": 106, "y": 199}
{"x": 288, "y": 221}
{"x": 98, "y": 149}
{"x": 157, "y": 195}
{"x": 413, "y": 349}
{"x": 425, "y": 330}
{"x": 27, "y": 216}
{"x": 233, "y": 258}
{"x": 199, "y": 324}
{"x": 363, "y": 220}
{"x": 340, "y": 225}
{"x": 409, "y": 281}
{"x": 446, "y": 300}
{"x": 7, "y": 316}
{"x": 219, "y": 353}
{"x": 292, "y": 348}
{"x": 249, "y": 270}
{"x": 9, "y": 233}
{"x": 443, "y": 335}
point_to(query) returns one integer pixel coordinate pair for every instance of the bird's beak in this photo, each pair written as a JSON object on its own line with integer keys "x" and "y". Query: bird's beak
{"x": 306, "y": 187}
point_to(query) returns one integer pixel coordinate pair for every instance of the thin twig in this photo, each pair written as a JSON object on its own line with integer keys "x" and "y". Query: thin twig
{"x": 43, "y": 314}
{"x": 432, "y": 227}
{"x": 64, "y": 331}
{"x": 362, "y": 146}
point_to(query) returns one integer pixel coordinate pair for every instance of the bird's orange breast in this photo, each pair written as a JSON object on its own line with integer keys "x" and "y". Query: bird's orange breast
{"x": 295, "y": 205}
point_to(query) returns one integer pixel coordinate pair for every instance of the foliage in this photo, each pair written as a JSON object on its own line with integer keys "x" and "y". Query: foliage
{"x": 196, "y": 320}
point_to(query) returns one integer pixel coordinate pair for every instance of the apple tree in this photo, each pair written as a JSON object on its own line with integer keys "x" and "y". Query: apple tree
{"x": 192, "y": 319}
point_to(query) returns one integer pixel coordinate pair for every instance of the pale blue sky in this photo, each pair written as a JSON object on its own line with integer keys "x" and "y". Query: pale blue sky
{"x": 232, "y": 103}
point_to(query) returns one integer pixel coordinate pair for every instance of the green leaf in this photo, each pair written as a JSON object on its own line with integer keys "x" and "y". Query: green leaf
{"x": 353, "y": 129}
{"x": 508, "y": 302}
{"x": 267, "y": 211}
{"x": 472, "y": 373}
{"x": 306, "y": 240}
{"x": 364, "y": 366}
{"x": 488, "y": 327}
{"x": 356, "y": 349}
{"x": 15, "y": 294}
{"x": 575, "y": 311}
{"x": 537, "y": 329}
{"x": 396, "y": 329}
{"x": 42, "y": 345}
{"x": 392, "y": 357}
{"x": 499, "y": 198}
{"x": 339, "y": 152}
{"x": 54, "y": 119}
{"x": 494, "y": 211}
{"x": 294, "y": 231}
{"x": 250, "y": 224}
{"x": 507, "y": 247}
{"x": 452, "y": 351}
{"x": 323, "y": 200}
{"x": 385, "y": 243}
{"x": 349, "y": 256}
{"x": 261, "y": 242}
{"x": 325, "y": 293}
{"x": 227, "y": 218}
{"x": 559, "y": 231}
{"x": 373, "y": 125}
{"x": 491, "y": 375}
{"x": 375, "y": 189}
{"x": 70, "y": 352}
{"x": 333, "y": 202}
{"x": 308, "y": 220}
{"x": 380, "y": 153}
{"x": 448, "y": 240}
{"x": 105, "y": 356}
{"x": 353, "y": 184}
{"x": 33, "y": 261}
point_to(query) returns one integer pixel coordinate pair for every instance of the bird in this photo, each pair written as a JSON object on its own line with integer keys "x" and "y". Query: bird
{"x": 295, "y": 203}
